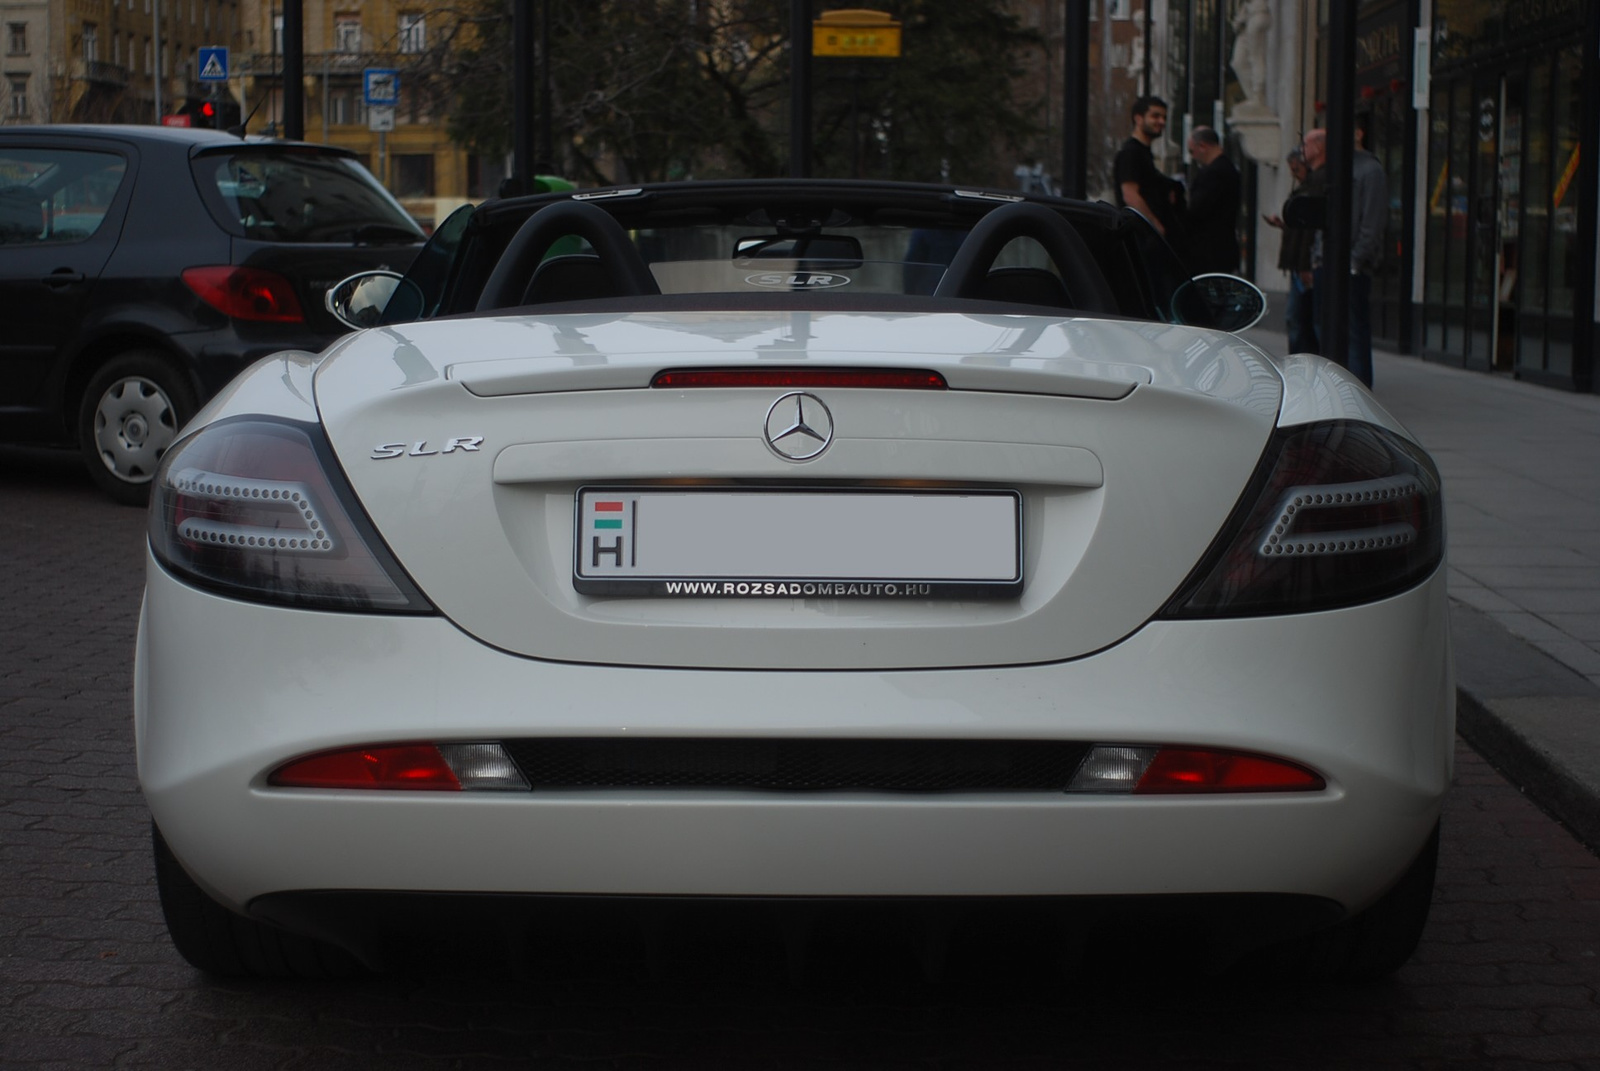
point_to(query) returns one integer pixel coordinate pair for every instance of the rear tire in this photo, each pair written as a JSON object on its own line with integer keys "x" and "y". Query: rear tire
{"x": 222, "y": 942}
{"x": 130, "y": 413}
{"x": 1365, "y": 947}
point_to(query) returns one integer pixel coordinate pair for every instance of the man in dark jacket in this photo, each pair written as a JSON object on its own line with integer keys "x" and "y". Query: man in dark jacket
{"x": 1213, "y": 230}
{"x": 1294, "y": 257}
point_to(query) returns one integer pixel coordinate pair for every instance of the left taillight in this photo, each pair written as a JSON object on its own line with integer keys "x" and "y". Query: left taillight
{"x": 259, "y": 510}
{"x": 246, "y": 293}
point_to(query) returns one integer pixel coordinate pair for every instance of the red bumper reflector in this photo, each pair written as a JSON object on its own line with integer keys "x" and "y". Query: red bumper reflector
{"x": 402, "y": 766}
{"x": 881, "y": 378}
{"x": 1195, "y": 770}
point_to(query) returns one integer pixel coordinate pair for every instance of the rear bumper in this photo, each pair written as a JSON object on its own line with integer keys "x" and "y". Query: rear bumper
{"x": 225, "y": 691}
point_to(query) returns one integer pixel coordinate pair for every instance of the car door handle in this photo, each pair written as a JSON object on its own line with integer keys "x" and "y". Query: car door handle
{"x": 62, "y": 277}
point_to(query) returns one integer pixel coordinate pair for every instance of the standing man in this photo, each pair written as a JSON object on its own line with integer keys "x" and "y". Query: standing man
{"x": 1369, "y": 213}
{"x": 1294, "y": 257}
{"x": 1214, "y": 192}
{"x": 1140, "y": 186}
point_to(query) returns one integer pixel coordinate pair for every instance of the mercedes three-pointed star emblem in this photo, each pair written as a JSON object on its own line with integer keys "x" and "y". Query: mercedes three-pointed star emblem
{"x": 799, "y": 426}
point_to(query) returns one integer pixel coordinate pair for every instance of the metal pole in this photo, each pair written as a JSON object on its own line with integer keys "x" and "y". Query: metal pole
{"x": 157, "y": 35}
{"x": 1333, "y": 298}
{"x": 1584, "y": 295}
{"x": 1075, "y": 99}
{"x": 294, "y": 71}
{"x": 1149, "y": 53}
{"x": 799, "y": 88}
{"x": 522, "y": 46}
{"x": 546, "y": 156}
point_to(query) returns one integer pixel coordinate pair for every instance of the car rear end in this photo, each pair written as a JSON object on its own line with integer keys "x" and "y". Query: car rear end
{"x": 561, "y": 607}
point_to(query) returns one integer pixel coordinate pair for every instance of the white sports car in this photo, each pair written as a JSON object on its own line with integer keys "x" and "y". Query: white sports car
{"x": 796, "y": 540}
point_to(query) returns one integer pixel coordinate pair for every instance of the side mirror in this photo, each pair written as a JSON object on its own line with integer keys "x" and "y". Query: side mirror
{"x": 369, "y": 298}
{"x": 1220, "y": 302}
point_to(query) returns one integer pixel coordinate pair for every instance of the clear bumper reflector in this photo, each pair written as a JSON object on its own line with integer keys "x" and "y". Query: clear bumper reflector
{"x": 1112, "y": 768}
{"x": 483, "y": 767}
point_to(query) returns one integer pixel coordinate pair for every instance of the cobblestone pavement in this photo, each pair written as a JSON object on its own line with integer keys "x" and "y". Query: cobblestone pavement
{"x": 1507, "y": 976}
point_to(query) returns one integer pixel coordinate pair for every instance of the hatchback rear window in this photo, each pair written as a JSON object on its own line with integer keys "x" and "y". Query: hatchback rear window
{"x": 294, "y": 195}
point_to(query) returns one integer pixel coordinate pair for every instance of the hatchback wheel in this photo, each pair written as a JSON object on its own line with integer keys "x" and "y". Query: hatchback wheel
{"x": 130, "y": 415}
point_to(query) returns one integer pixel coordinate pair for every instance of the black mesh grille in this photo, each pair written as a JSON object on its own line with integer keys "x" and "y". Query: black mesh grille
{"x": 799, "y": 765}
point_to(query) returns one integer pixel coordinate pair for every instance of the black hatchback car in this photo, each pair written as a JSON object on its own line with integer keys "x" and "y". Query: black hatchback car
{"x": 142, "y": 267}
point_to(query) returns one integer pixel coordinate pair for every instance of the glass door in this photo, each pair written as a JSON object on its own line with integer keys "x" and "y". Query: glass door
{"x": 1483, "y": 244}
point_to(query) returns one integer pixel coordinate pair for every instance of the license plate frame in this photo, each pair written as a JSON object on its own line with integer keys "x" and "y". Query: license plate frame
{"x": 826, "y": 542}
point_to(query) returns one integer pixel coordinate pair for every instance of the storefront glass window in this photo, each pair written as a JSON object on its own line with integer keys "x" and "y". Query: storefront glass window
{"x": 1534, "y": 245}
{"x": 1463, "y": 122}
{"x": 1564, "y": 244}
{"x": 1436, "y": 213}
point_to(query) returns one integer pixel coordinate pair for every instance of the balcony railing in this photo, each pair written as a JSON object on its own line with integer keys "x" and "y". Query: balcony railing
{"x": 270, "y": 64}
{"x": 111, "y": 74}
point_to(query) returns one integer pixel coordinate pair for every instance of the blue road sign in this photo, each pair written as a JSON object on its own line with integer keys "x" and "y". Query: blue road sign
{"x": 213, "y": 64}
{"x": 382, "y": 86}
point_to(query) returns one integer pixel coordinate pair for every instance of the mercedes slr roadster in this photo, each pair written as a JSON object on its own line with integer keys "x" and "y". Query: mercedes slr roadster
{"x": 795, "y": 541}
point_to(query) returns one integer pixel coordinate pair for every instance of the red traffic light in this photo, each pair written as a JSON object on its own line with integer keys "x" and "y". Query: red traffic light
{"x": 208, "y": 110}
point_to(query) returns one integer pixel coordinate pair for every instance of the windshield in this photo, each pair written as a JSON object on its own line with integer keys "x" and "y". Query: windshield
{"x": 282, "y": 194}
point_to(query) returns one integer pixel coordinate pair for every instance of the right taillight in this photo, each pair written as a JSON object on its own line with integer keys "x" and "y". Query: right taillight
{"x": 1338, "y": 513}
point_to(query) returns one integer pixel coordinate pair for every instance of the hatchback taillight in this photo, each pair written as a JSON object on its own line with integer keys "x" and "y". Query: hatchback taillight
{"x": 246, "y": 293}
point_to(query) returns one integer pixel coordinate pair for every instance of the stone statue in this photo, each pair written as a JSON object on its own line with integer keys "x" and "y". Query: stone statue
{"x": 1251, "y": 21}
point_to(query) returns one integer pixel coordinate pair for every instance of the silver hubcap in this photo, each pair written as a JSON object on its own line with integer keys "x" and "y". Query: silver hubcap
{"x": 133, "y": 426}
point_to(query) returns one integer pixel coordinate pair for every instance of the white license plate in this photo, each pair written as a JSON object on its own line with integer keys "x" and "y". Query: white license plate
{"x": 811, "y": 544}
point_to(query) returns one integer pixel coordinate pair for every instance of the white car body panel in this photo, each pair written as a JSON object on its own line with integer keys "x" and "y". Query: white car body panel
{"x": 1381, "y": 737}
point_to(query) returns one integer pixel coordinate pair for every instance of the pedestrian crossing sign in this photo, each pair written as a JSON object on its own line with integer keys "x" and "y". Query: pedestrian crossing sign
{"x": 213, "y": 64}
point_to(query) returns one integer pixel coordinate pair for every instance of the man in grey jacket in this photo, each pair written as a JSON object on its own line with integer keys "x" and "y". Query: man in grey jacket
{"x": 1369, "y": 214}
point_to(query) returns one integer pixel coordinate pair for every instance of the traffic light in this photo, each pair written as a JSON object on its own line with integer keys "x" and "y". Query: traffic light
{"x": 210, "y": 114}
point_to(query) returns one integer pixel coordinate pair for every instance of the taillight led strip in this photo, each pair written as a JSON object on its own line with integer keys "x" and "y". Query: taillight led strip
{"x": 810, "y": 378}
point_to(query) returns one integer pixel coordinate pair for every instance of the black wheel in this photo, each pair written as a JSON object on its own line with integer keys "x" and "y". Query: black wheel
{"x": 130, "y": 413}
{"x": 222, "y": 942}
{"x": 1365, "y": 947}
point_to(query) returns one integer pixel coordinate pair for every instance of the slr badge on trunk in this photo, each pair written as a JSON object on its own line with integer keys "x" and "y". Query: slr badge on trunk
{"x": 420, "y": 448}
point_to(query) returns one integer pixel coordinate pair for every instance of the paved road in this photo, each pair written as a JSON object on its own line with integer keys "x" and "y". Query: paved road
{"x": 1506, "y": 978}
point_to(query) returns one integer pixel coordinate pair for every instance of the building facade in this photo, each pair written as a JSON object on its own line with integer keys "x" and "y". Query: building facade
{"x": 408, "y": 145}
{"x": 1477, "y": 111}
{"x": 107, "y": 61}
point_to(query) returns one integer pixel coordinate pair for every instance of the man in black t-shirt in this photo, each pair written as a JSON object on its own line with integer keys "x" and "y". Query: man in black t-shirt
{"x": 1140, "y": 185}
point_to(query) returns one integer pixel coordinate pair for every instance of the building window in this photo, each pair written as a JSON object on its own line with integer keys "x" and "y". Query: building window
{"x": 413, "y": 175}
{"x": 484, "y": 175}
{"x": 277, "y": 35}
{"x": 346, "y": 106}
{"x": 16, "y": 38}
{"x": 413, "y": 34}
{"x": 149, "y": 57}
{"x": 347, "y": 33}
{"x": 19, "y": 97}
{"x": 116, "y": 50}
{"x": 91, "y": 43}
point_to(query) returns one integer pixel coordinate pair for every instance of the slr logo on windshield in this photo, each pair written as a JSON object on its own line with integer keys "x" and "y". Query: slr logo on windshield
{"x": 421, "y": 448}
{"x": 797, "y": 280}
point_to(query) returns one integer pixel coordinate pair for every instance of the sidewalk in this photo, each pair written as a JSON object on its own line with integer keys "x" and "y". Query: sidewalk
{"x": 1521, "y": 471}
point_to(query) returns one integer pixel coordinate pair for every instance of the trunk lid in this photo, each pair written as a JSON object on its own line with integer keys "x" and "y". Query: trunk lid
{"x": 1126, "y": 445}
